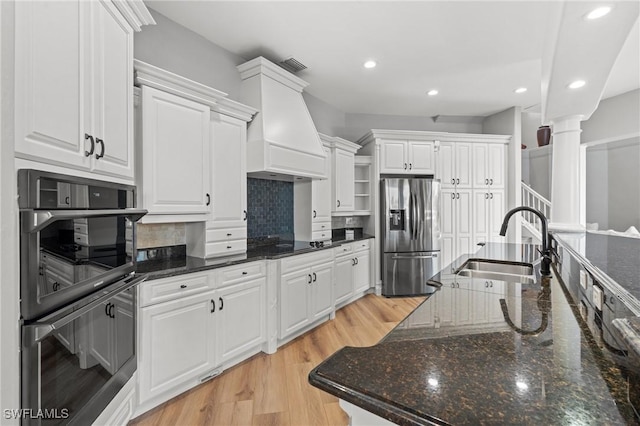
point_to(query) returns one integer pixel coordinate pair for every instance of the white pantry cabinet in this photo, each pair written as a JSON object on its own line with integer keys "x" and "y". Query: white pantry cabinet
{"x": 456, "y": 223}
{"x": 74, "y": 84}
{"x": 407, "y": 157}
{"x": 306, "y": 291}
{"x": 353, "y": 270}
{"x": 174, "y": 178}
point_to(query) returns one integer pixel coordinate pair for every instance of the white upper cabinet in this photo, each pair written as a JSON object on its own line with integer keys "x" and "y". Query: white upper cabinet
{"x": 228, "y": 172}
{"x": 410, "y": 157}
{"x": 74, "y": 83}
{"x": 489, "y": 165}
{"x": 454, "y": 164}
{"x": 321, "y": 194}
{"x": 175, "y": 155}
{"x": 343, "y": 171}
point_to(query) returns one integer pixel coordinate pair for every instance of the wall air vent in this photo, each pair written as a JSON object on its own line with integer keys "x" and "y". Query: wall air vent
{"x": 292, "y": 65}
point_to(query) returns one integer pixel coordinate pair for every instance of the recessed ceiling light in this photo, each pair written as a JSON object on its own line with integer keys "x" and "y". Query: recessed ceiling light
{"x": 598, "y": 12}
{"x": 432, "y": 92}
{"x": 370, "y": 64}
{"x": 577, "y": 84}
{"x": 520, "y": 90}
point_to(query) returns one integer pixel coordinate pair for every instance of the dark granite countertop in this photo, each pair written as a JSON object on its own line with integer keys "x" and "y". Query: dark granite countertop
{"x": 480, "y": 351}
{"x": 612, "y": 259}
{"x": 168, "y": 267}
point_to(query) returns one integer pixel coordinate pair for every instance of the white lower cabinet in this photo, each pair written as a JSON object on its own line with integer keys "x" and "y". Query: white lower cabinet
{"x": 195, "y": 325}
{"x": 306, "y": 290}
{"x": 353, "y": 270}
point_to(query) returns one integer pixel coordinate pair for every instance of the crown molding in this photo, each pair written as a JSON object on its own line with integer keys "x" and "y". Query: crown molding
{"x": 262, "y": 66}
{"x": 135, "y": 12}
{"x": 158, "y": 78}
{"x": 378, "y": 135}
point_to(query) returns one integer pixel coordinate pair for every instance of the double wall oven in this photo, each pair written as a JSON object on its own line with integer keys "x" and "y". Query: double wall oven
{"x": 77, "y": 291}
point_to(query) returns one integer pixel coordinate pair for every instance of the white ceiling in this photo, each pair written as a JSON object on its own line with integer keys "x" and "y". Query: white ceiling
{"x": 475, "y": 53}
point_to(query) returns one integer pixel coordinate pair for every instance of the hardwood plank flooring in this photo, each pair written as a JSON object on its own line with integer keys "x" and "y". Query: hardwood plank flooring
{"x": 274, "y": 389}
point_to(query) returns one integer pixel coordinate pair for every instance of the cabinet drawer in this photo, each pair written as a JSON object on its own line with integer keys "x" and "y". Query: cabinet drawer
{"x": 82, "y": 239}
{"x": 215, "y": 235}
{"x": 62, "y": 268}
{"x": 241, "y": 272}
{"x": 321, "y": 235}
{"x": 156, "y": 291}
{"x": 302, "y": 261}
{"x": 343, "y": 250}
{"x": 223, "y": 248}
{"x": 361, "y": 245}
{"x": 321, "y": 226}
{"x": 81, "y": 228}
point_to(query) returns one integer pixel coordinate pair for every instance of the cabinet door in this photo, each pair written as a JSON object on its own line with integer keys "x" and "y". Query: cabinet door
{"x": 124, "y": 330}
{"x": 240, "y": 318}
{"x": 177, "y": 343}
{"x": 52, "y": 104}
{"x": 112, "y": 78}
{"x": 421, "y": 157}
{"x": 463, "y": 301}
{"x": 321, "y": 193}
{"x": 294, "y": 307}
{"x": 464, "y": 211}
{"x": 321, "y": 290}
{"x": 480, "y": 171}
{"x": 463, "y": 165}
{"x": 446, "y": 165}
{"x": 496, "y": 212}
{"x": 496, "y": 165}
{"x": 343, "y": 279}
{"x": 344, "y": 180}
{"x": 393, "y": 157}
{"x": 448, "y": 206}
{"x": 229, "y": 171}
{"x": 100, "y": 337}
{"x": 362, "y": 272}
{"x": 496, "y": 292}
{"x": 175, "y": 135}
{"x": 480, "y": 214}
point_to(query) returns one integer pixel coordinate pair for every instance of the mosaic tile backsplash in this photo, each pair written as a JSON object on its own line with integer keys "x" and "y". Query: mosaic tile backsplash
{"x": 160, "y": 234}
{"x": 269, "y": 207}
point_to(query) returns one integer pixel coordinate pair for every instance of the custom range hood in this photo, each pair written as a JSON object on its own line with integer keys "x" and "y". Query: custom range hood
{"x": 282, "y": 141}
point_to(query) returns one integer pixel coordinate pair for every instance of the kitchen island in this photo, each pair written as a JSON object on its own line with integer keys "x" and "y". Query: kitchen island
{"x": 481, "y": 351}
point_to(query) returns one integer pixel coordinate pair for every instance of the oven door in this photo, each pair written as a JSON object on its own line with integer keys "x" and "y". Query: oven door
{"x": 76, "y": 360}
{"x": 59, "y": 248}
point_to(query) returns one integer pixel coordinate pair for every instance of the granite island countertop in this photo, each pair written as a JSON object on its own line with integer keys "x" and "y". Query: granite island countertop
{"x": 480, "y": 351}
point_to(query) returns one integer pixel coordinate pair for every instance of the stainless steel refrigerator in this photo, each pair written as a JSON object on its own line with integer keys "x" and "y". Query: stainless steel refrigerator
{"x": 410, "y": 225}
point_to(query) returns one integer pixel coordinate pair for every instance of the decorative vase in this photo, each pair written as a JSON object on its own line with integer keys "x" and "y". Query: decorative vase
{"x": 544, "y": 135}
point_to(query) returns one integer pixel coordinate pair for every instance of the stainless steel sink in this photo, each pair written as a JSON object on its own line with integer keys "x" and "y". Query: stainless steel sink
{"x": 498, "y": 270}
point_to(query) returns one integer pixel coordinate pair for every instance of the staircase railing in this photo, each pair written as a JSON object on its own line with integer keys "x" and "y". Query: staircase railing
{"x": 531, "y": 198}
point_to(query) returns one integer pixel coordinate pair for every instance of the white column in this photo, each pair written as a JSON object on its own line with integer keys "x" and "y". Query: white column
{"x": 567, "y": 197}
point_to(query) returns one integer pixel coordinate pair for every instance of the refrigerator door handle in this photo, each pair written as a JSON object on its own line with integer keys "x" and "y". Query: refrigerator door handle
{"x": 422, "y": 256}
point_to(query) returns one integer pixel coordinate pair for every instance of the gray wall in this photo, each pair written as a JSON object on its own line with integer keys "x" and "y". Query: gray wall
{"x": 327, "y": 119}
{"x": 597, "y": 187}
{"x": 616, "y": 116}
{"x": 624, "y": 184}
{"x": 530, "y": 123}
{"x": 171, "y": 46}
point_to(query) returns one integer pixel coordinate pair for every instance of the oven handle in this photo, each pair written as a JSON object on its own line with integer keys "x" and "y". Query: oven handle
{"x": 34, "y": 333}
{"x": 39, "y": 219}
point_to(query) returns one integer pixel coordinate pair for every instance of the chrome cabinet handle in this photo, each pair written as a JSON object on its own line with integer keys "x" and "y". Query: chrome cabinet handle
{"x": 93, "y": 145}
{"x": 101, "y": 142}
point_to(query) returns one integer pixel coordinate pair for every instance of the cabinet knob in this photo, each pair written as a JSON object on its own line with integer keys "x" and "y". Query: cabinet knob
{"x": 101, "y": 142}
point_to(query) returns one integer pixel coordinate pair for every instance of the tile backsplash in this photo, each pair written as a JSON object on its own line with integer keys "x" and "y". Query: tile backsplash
{"x": 160, "y": 235}
{"x": 341, "y": 222}
{"x": 269, "y": 207}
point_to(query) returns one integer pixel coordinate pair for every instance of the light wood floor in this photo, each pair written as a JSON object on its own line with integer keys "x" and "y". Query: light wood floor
{"x": 273, "y": 389}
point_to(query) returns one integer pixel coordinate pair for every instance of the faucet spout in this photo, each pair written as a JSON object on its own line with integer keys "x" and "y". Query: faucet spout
{"x": 545, "y": 265}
